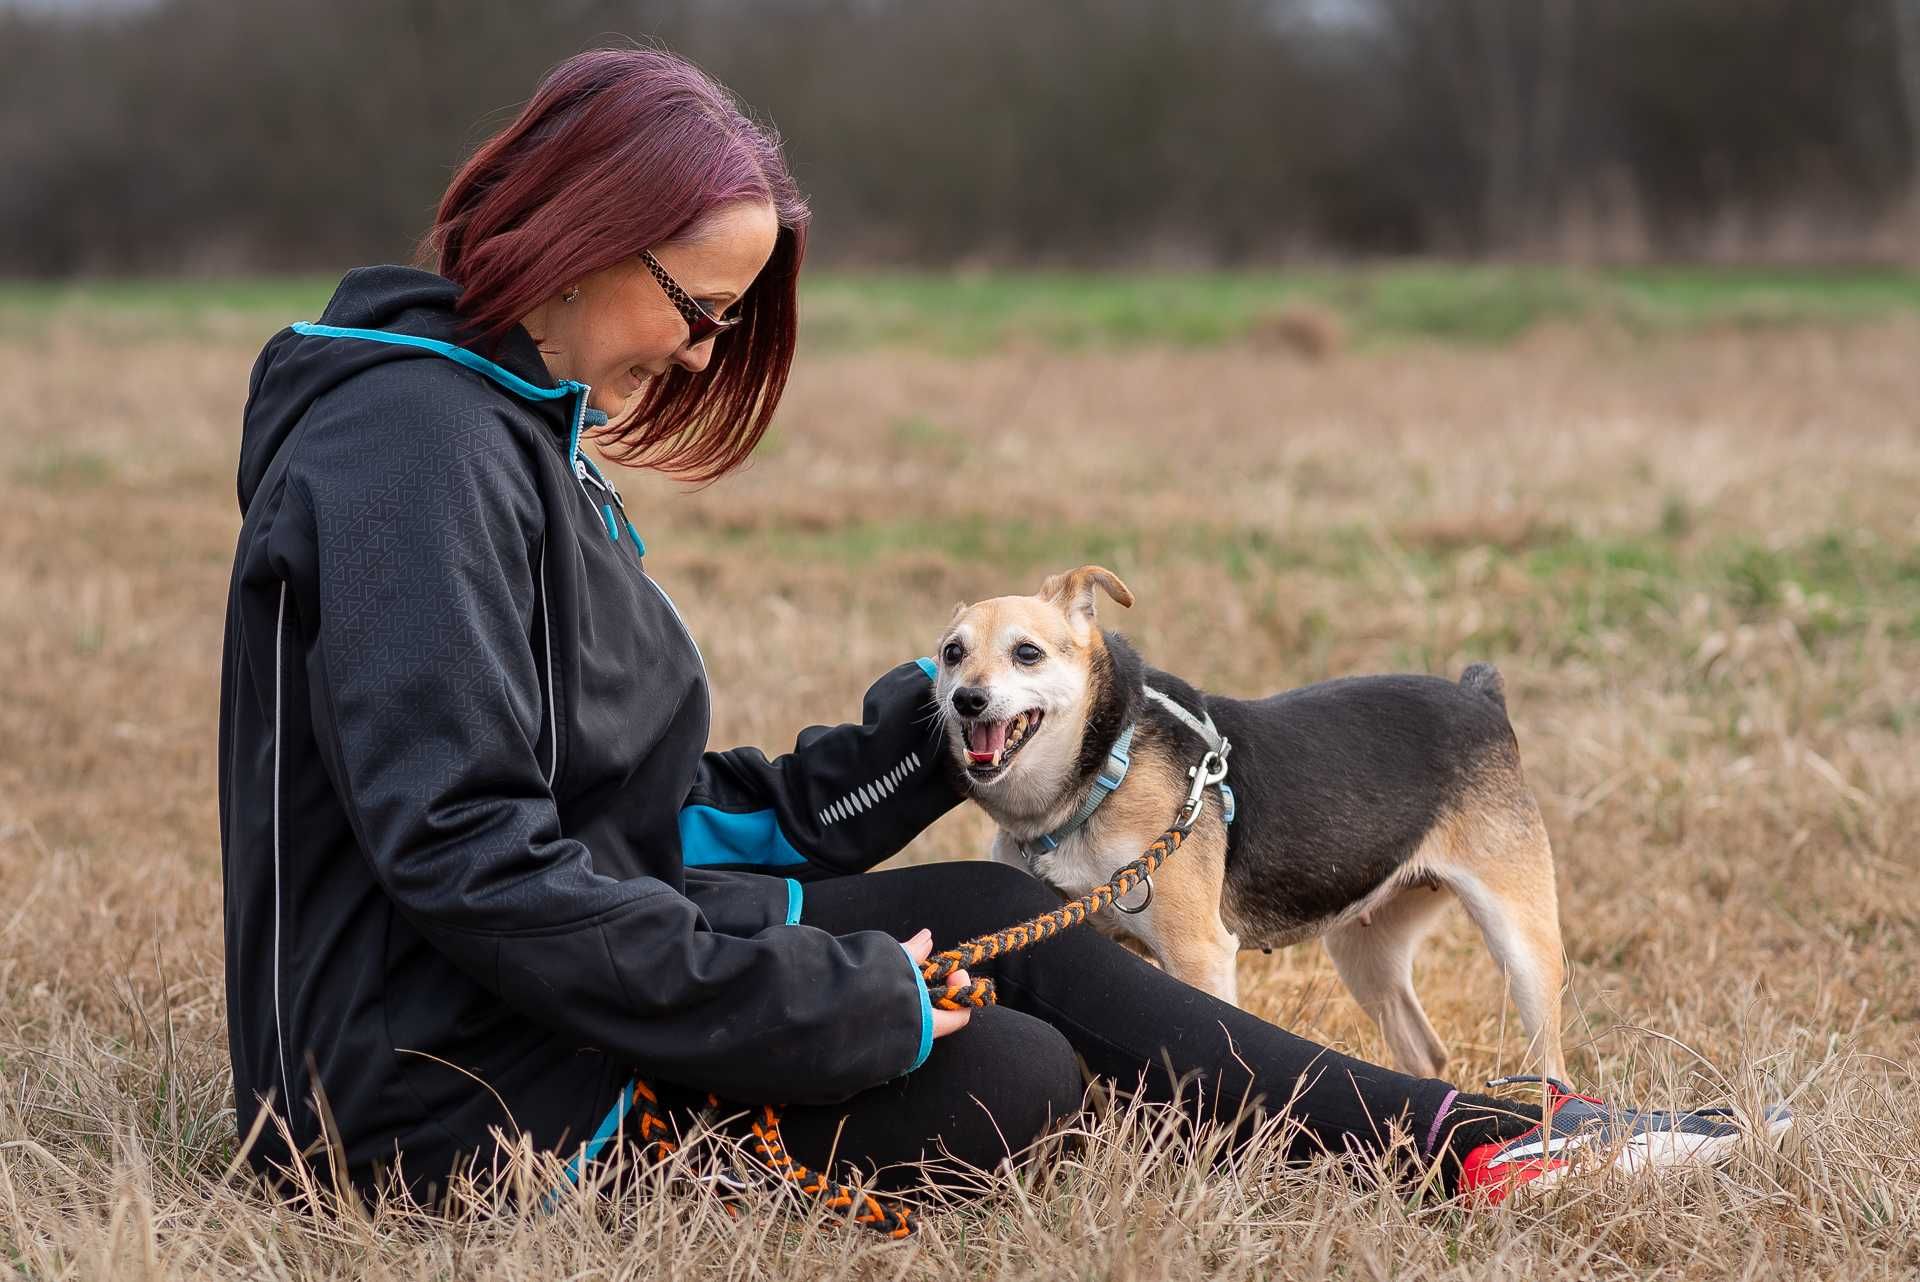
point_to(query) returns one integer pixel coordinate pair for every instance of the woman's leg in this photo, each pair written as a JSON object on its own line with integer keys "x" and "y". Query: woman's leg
{"x": 983, "y": 1095}
{"x": 978, "y": 1100}
{"x": 1129, "y": 1020}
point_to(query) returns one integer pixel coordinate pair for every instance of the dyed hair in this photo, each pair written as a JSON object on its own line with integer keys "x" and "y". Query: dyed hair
{"x": 621, "y": 150}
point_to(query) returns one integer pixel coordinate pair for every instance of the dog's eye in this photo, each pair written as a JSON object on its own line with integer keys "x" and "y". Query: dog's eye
{"x": 1028, "y": 652}
{"x": 953, "y": 653}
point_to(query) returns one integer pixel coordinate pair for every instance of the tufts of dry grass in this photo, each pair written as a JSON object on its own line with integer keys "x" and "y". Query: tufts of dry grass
{"x": 1697, "y": 562}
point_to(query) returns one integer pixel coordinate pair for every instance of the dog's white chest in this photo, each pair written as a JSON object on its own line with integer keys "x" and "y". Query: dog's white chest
{"x": 1073, "y": 867}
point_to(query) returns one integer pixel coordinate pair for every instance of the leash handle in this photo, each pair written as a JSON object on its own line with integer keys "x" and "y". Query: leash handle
{"x": 658, "y": 1141}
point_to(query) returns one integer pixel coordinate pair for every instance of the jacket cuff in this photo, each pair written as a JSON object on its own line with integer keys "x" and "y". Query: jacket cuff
{"x": 741, "y": 904}
{"x": 926, "y": 1013}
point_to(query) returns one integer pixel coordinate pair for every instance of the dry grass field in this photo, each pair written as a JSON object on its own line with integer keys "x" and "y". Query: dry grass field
{"x": 1694, "y": 555}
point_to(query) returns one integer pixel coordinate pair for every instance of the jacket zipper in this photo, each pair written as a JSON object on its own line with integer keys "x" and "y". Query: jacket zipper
{"x": 584, "y": 469}
{"x": 583, "y": 466}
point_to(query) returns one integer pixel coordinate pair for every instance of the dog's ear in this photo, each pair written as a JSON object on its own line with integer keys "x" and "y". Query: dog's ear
{"x": 1072, "y": 592}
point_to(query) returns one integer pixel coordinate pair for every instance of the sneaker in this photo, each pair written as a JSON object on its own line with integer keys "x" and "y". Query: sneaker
{"x": 1584, "y": 1133}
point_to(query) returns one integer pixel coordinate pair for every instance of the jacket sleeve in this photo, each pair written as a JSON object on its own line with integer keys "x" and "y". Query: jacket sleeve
{"x": 844, "y": 799}
{"x": 427, "y": 706}
{"x": 743, "y": 903}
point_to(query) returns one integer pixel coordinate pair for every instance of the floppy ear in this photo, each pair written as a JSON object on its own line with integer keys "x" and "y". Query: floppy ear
{"x": 1072, "y": 592}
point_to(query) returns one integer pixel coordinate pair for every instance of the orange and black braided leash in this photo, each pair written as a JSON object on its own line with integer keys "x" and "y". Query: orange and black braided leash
{"x": 938, "y": 967}
{"x": 885, "y": 1215}
{"x": 657, "y": 1141}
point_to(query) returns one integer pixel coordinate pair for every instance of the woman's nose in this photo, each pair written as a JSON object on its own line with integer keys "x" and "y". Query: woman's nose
{"x": 693, "y": 357}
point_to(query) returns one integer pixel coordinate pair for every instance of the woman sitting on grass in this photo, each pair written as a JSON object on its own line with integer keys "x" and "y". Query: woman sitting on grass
{"x": 482, "y": 871}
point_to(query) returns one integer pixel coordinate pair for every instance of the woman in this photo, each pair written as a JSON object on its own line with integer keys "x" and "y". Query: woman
{"x": 481, "y": 870}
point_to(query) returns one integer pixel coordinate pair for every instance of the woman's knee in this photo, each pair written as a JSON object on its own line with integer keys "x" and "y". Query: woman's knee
{"x": 1008, "y": 1079}
{"x": 1000, "y": 894}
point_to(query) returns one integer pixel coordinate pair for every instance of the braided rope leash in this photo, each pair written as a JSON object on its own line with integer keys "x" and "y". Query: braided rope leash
{"x": 887, "y": 1215}
{"x": 938, "y": 968}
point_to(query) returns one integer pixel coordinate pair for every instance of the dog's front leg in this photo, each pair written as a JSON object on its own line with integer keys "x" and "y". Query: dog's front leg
{"x": 1183, "y": 926}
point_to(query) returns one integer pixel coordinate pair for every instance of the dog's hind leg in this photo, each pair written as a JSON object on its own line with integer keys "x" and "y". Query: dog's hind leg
{"x": 1506, "y": 886}
{"x": 1374, "y": 956}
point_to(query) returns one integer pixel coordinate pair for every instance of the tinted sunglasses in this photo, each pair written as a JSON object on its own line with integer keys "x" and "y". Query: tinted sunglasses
{"x": 701, "y": 323}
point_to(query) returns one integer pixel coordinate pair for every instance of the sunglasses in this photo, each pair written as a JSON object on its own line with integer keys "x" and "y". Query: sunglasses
{"x": 701, "y": 323}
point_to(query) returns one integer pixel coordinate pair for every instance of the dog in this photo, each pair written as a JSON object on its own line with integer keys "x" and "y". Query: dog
{"x": 1355, "y": 802}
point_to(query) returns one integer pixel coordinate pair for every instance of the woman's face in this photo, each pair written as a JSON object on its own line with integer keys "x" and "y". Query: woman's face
{"x": 621, "y": 329}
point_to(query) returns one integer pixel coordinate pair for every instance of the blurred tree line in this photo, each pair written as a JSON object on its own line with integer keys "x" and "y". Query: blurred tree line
{"x": 239, "y": 135}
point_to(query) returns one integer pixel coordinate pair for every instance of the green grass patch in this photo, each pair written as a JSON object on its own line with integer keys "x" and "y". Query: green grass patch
{"x": 923, "y": 434}
{"x": 1586, "y": 589}
{"x": 1701, "y": 295}
{"x": 1831, "y": 582}
{"x": 962, "y": 314}
{"x": 64, "y": 469}
{"x": 1019, "y": 544}
{"x": 974, "y": 539}
{"x": 301, "y": 297}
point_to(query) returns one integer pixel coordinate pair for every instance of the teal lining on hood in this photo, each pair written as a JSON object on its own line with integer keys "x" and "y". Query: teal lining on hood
{"x": 583, "y": 417}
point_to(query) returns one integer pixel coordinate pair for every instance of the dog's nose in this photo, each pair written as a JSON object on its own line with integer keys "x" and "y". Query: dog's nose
{"x": 971, "y": 701}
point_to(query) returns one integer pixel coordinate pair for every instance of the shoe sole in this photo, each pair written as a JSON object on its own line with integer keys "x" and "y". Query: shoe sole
{"x": 1663, "y": 1150}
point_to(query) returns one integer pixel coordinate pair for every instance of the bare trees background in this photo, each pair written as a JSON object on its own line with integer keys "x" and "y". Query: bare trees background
{"x": 210, "y": 135}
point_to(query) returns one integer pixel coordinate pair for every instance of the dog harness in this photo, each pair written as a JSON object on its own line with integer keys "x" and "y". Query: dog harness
{"x": 1204, "y": 727}
{"x": 1119, "y": 758}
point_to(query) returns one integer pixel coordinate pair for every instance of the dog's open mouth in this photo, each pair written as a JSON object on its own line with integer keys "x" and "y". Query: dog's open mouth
{"x": 991, "y": 744}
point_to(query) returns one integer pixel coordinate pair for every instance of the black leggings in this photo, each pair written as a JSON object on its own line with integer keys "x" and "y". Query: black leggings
{"x": 996, "y": 1085}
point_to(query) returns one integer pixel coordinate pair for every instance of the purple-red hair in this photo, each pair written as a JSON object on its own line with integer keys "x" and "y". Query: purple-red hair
{"x": 621, "y": 150}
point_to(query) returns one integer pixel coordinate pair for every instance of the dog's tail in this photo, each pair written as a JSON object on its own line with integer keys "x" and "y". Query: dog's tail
{"x": 1484, "y": 678}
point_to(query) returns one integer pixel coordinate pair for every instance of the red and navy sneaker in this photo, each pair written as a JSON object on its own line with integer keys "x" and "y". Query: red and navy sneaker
{"x": 1585, "y": 1134}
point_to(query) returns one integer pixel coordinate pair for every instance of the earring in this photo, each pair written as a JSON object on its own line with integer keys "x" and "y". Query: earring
{"x": 571, "y": 294}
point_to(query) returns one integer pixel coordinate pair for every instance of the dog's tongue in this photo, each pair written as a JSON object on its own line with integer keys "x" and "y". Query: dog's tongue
{"x": 985, "y": 739}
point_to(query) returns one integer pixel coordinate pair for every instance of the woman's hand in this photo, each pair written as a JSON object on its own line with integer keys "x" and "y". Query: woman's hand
{"x": 920, "y": 947}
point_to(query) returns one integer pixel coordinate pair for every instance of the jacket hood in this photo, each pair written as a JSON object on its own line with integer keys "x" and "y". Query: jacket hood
{"x": 296, "y": 368}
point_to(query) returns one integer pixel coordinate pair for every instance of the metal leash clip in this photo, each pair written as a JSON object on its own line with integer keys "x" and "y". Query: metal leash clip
{"x": 1211, "y": 770}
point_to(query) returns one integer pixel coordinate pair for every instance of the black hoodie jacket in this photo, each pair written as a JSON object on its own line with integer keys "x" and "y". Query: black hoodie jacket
{"x": 479, "y": 868}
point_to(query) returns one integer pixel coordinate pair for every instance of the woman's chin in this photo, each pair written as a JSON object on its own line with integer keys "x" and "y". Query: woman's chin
{"x": 613, "y": 401}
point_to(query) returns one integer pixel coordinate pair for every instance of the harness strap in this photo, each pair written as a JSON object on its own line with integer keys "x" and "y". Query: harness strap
{"x": 1207, "y": 731}
{"x": 1119, "y": 758}
{"x": 1204, "y": 728}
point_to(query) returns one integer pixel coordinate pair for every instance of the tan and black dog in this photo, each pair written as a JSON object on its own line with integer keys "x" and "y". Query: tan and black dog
{"x": 1355, "y": 802}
